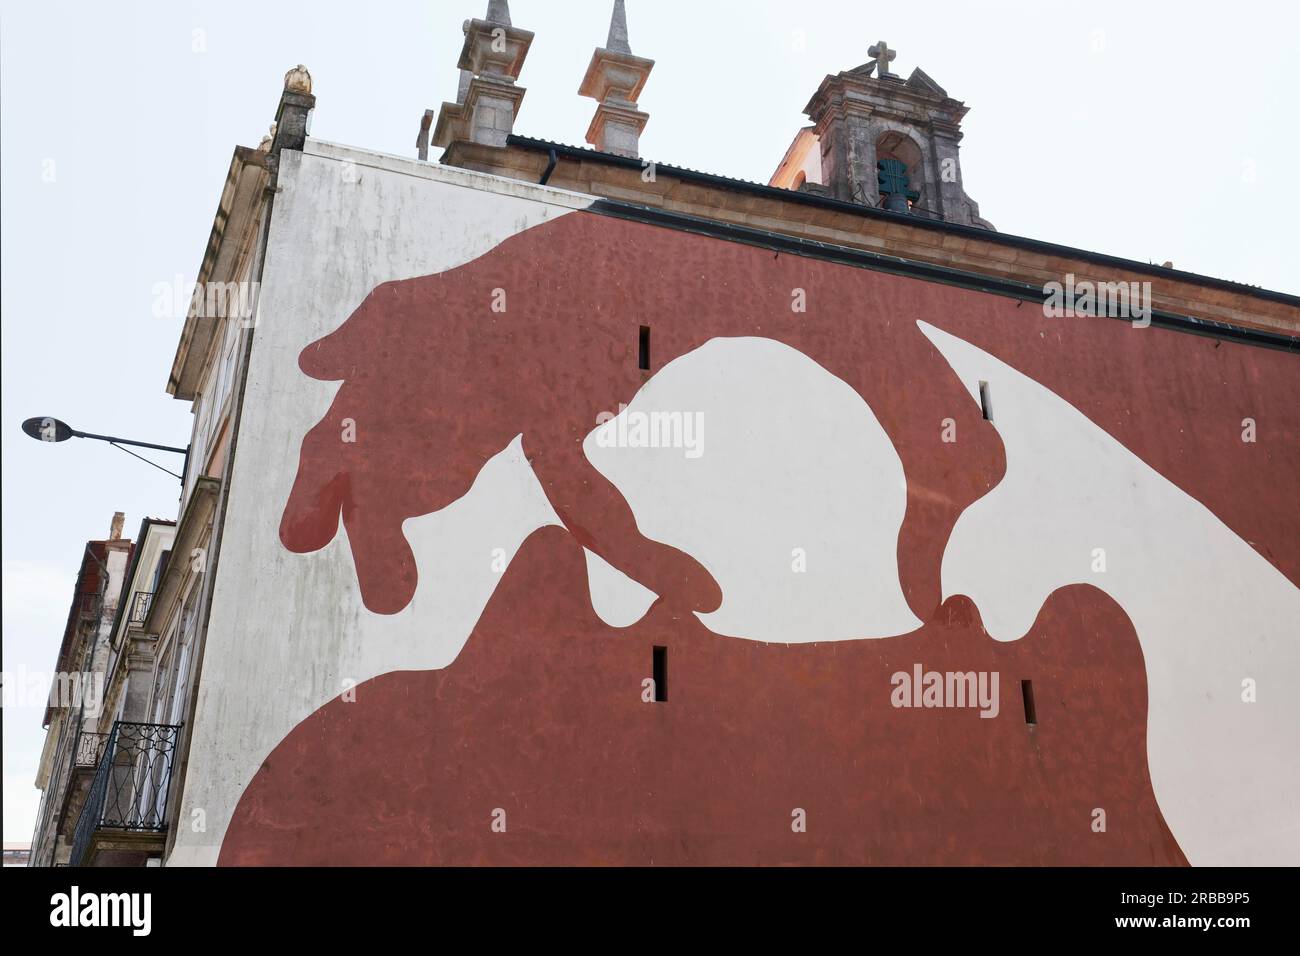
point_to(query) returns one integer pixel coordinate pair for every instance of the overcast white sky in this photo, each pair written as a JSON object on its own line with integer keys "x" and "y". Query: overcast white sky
{"x": 1153, "y": 131}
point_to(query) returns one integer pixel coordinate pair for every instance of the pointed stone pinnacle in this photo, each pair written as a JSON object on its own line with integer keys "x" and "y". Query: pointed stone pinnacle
{"x": 618, "y": 30}
{"x": 498, "y": 11}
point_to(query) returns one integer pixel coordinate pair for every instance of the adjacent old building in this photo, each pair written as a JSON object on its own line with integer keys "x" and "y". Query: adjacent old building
{"x": 73, "y": 715}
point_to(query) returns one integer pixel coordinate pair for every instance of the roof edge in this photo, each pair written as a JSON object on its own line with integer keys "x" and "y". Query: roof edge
{"x": 870, "y": 212}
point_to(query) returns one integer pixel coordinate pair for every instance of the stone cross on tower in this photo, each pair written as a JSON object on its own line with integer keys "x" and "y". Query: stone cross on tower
{"x": 883, "y": 56}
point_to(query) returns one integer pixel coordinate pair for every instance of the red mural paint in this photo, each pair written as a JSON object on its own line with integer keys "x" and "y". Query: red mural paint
{"x": 541, "y": 714}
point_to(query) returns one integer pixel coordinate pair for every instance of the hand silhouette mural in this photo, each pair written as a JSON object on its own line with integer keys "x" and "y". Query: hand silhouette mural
{"x": 435, "y": 382}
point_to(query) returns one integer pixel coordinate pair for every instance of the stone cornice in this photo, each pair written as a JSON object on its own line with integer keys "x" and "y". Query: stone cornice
{"x": 846, "y": 94}
{"x": 480, "y": 54}
{"x": 615, "y": 76}
{"x": 233, "y": 229}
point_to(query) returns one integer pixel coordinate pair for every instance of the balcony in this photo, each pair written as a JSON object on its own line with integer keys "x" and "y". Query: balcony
{"x": 124, "y": 821}
{"x": 140, "y": 603}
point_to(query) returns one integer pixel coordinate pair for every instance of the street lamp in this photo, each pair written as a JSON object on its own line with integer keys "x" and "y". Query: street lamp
{"x": 48, "y": 429}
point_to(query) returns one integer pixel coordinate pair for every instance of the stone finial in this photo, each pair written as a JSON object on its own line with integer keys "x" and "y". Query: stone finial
{"x": 115, "y": 530}
{"x": 615, "y": 78}
{"x": 618, "y": 29}
{"x": 293, "y": 118}
{"x": 487, "y": 97}
{"x": 298, "y": 80}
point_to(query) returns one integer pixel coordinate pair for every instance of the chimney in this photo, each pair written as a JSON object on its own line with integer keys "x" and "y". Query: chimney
{"x": 487, "y": 99}
{"x": 115, "y": 531}
{"x": 615, "y": 78}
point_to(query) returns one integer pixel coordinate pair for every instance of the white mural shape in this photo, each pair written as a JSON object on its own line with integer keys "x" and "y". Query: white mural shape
{"x": 617, "y": 600}
{"x": 792, "y": 498}
{"x": 1209, "y": 611}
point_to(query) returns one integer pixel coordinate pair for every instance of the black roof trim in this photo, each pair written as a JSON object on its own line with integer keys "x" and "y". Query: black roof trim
{"x": 974, "y": 232}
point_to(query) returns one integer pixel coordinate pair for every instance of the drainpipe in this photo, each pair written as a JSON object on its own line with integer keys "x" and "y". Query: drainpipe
{"x": 550, "y": 168}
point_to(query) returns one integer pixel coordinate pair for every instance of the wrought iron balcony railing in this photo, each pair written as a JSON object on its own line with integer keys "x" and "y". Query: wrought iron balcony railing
{"x": 129, "y": 791}
{"x": 140, "y": 603}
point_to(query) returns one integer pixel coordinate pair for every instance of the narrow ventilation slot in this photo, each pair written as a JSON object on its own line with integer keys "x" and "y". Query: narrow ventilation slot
{"x": 643, "y": 349}
{"x": 661, "y": 674}
{"x": 1027, "y": 692}
{"x": 986, "y": 404}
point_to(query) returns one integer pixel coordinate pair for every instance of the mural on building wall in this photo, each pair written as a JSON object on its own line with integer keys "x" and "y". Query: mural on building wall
{"x": 831, "y": 509}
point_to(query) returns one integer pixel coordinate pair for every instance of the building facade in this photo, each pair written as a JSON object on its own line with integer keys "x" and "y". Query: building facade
{"x": 73, "y": 714}
{"x": 552, "y": 505}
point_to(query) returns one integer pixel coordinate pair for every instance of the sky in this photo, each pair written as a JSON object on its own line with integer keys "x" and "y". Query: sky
{"x": 1155, "y": 131}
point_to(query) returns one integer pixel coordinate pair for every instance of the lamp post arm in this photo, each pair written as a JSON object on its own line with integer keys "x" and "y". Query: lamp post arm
{"x": 127, "y": 441}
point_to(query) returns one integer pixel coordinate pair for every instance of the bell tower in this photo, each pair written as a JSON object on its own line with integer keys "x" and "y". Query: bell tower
{"x": 887, "y": 142}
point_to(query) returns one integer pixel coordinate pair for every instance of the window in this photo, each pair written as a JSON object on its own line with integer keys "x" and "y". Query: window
{"x": 228, "y": 365}
{"x": 660, "y": 664}
{"x": 162, "y": 670}
{"x": 1027, "y": 692}
{"x": 160, "y": 570}
{"x": 643, "y": 350}
{"x": 900, "y": 170}
{"x": 180, "y": 684}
